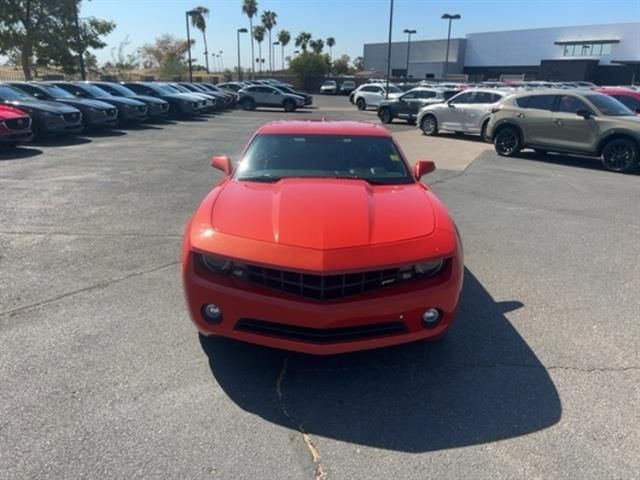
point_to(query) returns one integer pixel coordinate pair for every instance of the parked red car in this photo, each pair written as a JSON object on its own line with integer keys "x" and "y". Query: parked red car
{"x": 15, "y": 126}
{"x": 631, "y": 98}
{"x": 323, "y": 240}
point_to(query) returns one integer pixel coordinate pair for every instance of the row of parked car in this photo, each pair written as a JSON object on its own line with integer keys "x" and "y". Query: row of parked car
{"x": 587, "y": 120}
{"x": 270, "y": 93}
{"x": 42, "y": 109}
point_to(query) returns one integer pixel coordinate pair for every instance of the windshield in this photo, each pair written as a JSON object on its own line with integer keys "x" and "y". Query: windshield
{"x": 274, "y": 157}
{"x": 124, "y": 91}
{"x": 330, "y": 83}
{"x": 609, "y": 106}
{"x": 164, "y": 89}
{"x": 94, "y": 91}
{"x": 55, "y": 92}
{"x": 10, "y": 93}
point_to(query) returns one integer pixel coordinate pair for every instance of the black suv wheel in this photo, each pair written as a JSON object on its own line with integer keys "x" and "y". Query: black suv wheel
{"x": 289, "y": 106}
{"x": 620, "y": 155}
{"x": 507, "y": 142}
{"x": 429, "y": 125}
{"x": 361, "y": 104}
{"x": 248, "y": 104}
{"x": 385, "y": 115}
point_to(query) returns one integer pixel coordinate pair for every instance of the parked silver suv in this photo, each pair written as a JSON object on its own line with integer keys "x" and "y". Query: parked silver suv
{"x": 266, "y": 96}
{"x": 582, "y": 122}
{"x": 467, "y": 112}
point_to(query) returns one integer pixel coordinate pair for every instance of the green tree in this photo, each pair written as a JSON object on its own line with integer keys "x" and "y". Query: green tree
{"x": 268, "y": 22}
{"x": 307, "y": 66}
{"x": 199, "y": 21}
{"x": 250, "y": 9}
{"x": 341, "y": 65}
{"x": 124, "y": 62}
{"x": 302, "y": 40}
{"x": 44, "y": 32}
{"x": 358, "y": 64}
{"x": 258, "y": 36}
{"x": 330, "y": 43}
{"x": 284, "y": 37}
{"x": 317, "y": 45}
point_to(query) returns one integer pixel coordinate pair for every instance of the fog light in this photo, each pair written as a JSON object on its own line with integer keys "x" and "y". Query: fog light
{"x": 212, "y": 313}
{"x": 431, "y": 318}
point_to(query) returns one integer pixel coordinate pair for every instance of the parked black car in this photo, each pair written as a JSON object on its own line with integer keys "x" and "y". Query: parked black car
{"x": 308, "y": 99}
{"x": 211, "y": 101}
{"x": 47, "y": 117}
{"x": 180, "y": 104}
{"x": 156, "y": 108}
{"x": 231, "y": 97}
{"x": 95, "y": 114}
{"x": 129, "y": 111}
{"x": 409, "y": 104}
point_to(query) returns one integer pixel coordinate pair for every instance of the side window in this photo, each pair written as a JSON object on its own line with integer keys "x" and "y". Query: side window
{"x": 369, "y": 89}
{"x": 410, "y": 96}
{"x": 463, "y": 98}
{"x": 631, "y": 102}
{"x": 541, "y": 102}
{"x": 571, "y": 104}
{"x": 483, "y": 97}
{"x": 426, "y": 94}
{"x": 495, "y": 98}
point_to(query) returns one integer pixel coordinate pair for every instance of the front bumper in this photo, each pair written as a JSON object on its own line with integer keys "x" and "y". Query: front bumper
{"x": 63, "y": 128}
{"x": 321, "y": 328}
{"x": 14, "y": 138}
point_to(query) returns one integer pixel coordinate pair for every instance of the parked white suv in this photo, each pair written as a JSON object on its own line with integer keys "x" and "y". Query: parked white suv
{"x": 266, "y": 96}
{"x": 467, "y": 112}
{"x": 371, "y": 94}
{"x": 330, "y": 87}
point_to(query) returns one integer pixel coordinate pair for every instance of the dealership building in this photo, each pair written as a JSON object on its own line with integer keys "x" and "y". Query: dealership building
{"x": 604, "y": 54}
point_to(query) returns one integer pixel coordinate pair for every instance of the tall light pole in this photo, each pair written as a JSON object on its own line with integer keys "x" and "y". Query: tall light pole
{"x": 221, "y": 60}
{"x": 274, "y": 55}
{"x": 448, "y": 16}
{"x": 409, "y": 33}
{"x": 389, "y": 48}
{"x": 187, "y": 15}
{"x": 240, "y": 30}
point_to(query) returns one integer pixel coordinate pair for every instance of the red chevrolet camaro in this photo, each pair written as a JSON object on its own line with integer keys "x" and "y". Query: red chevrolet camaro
{"x": 322, "y": 240}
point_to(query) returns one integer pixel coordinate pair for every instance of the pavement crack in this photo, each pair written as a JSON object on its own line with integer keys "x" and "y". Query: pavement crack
{"x": 319, "y": 470}
{"x": 86, "y": 289}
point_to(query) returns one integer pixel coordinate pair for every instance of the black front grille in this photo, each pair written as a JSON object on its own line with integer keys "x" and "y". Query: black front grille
{"x": 318, "y": 335}
{"x": 71, "y": 117}
{"x": 322, "y": 287}
{"x": 165, "y": 107}
{"x": 142, "y": 109}
{"x": 18, "y": 123}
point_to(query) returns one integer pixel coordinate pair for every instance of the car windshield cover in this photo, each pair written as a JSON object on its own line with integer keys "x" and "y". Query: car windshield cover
{"x": 56, "y": 92}
{"x": 124, "y": 91}
{"x": 95, "y": 91}
{"x": 609, "y": 106}
{"x": 376, "y": 160}
{"x": 13, "y": 94}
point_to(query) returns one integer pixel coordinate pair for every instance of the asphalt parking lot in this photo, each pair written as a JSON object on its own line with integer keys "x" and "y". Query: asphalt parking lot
{"x": 104, "y": 376}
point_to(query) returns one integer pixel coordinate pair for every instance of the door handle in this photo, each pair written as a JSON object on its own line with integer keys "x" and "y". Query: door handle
{"x": 520, "y": 115}
{"x": 557, "y": 121}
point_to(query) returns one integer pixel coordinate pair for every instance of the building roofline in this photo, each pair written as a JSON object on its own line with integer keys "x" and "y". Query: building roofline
{"x": 555, "y": 28}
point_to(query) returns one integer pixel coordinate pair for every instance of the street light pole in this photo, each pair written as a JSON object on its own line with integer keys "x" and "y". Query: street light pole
{"x": 221, "y": 61}
{"x": 447, "y": 16}
{"x": 409, "y": 33}
{"x": 389, "y": 48}
{"x": 240, "y": 30}
{"x": 187, "y": 15}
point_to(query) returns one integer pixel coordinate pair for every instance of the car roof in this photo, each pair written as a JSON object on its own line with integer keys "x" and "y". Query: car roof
{"x": 558, "y": 91}
{"x": 619, "y": 90}
{"x": 323, "y": 127}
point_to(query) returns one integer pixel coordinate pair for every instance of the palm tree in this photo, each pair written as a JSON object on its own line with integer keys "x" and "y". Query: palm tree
{"x": 199, "y": 17}
{"x": 258, "y": 35}
{"x": 250, "y": 9}
{"x": 284, "y": 37}
{"x": 302, "y": 40}
{"x": 317, "y": 45}
{"x": 330, "y": 43}
{"x": 269, "y": 21}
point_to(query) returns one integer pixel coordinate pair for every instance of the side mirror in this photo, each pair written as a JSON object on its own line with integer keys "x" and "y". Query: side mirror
{"x": 451, "y": 105}
{"x": 222, "y": 162}
{"x": 583, "y": 113}
{"x": 423, "y": 167}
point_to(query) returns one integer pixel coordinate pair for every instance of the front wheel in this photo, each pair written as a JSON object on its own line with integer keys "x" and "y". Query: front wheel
{"x": 429, "y": 125}
{"x": 620, "y": 155}
{"x": 361, "y": 104}
{"x": 507, "y": 142}
{"x": 289, "y": 106}
{"x": 248, "y": 104}
{"x": 385, "y": 115}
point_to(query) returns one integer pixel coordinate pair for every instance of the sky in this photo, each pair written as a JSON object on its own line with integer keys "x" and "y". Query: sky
{"x": 351, "y": 22}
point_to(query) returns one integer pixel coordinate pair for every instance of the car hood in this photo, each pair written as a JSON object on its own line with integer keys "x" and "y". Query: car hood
{"x": 44, "y": 106}
{"x": 147, "y": 99}
{"x": 85, "y": 102}
{"x": 7, "y": 112}
{"x": 323, "y": 214}
{"x": 121, "y": 101}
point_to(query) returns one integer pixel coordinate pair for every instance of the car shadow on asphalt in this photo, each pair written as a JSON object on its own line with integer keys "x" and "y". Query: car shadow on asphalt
{"x": 480, "y": 384}
{"x": 567, "y": 160}
{"x": 61, "y": 141}
{"x": 17, "y": 153}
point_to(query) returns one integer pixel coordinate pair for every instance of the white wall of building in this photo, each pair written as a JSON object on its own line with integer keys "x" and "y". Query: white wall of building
{"x": 529, "y": 47}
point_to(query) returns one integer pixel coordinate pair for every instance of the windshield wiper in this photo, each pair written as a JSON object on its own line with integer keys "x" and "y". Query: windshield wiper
{"x": 355, "y": 177}
{"x": 260, "y": 178}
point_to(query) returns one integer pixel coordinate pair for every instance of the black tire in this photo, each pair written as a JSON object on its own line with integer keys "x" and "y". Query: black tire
{"x": 385, "y": 115}
{"x": 248, "y": 104}
{"x": 429, "y": 125}
{"x": 620, "y": 155}
{"x": 507, "y": 142}
{"x": 361, "y": 104}
{"x": 540, "y": 152}
{"x": 351, "y": 98}
{"x": 483, "y": 131}
{"x": 289, "y": 106}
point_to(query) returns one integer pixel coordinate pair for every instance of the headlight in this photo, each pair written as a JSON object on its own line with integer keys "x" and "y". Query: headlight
{"x": 216, "y": 264}
{"x": 428, "y": 269}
